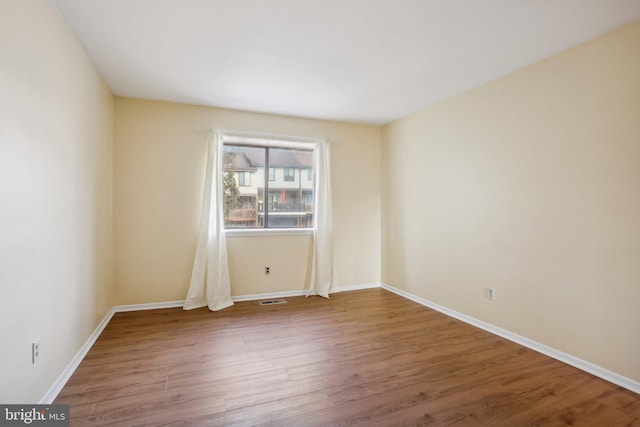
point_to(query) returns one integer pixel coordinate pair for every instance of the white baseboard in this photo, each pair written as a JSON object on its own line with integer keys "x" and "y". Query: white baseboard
{"x": 147, "y": 306}
{"x": 589, "y": 367}
{"x": 60, "y": 382}
{"x": 347, "y": 288}
{"x": 62, "y": 379}
{"x": 301, "y": 293}
{"x": 270, "y": 295}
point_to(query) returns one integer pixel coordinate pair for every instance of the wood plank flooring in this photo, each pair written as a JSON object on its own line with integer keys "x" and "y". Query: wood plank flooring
{"x": 366, "y": 358}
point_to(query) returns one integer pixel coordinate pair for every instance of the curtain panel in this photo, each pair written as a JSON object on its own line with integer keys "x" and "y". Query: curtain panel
{"x": 210, "y": 284}
{"x": 323, "y": 278}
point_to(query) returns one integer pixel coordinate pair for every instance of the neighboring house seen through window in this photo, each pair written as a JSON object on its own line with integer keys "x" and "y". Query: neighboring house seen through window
{"x": 263, "y": 186}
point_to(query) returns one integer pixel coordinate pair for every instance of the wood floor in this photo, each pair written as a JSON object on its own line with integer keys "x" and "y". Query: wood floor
{"x": 367, "y": 358}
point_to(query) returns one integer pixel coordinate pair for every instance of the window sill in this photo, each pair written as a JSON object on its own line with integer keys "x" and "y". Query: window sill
{"x": 251, "y": 232}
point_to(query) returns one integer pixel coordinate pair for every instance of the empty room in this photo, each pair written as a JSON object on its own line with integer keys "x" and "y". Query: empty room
{"x": 305, "y": 213}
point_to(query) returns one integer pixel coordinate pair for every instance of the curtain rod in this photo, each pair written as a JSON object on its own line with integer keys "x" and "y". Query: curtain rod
{"x": 259, "y": 135}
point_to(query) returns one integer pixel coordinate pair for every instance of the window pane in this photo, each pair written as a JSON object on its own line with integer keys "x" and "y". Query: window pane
{"x": 287, "y": 192}
{"x": 290, "y": 201}
{"x": 244, "y": 179}
{"x": 289, "y": 174}
{"x": 243, "y": 183}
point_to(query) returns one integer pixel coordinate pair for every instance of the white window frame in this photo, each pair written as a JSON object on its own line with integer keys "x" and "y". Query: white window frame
{"x": 301, "y": 143}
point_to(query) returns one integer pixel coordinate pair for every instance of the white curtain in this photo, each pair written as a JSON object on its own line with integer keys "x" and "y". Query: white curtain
{"x": 323, "y": 278}
{"x": 210, "y": 284}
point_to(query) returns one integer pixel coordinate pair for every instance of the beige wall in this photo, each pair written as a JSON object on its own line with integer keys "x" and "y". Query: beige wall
{"x": 56, "y": 121}
{"x": 529, "y": 184}
{"x": 158, "y": 182}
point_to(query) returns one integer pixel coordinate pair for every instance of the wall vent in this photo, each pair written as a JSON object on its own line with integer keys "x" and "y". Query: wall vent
{"x": 273, "y": 301}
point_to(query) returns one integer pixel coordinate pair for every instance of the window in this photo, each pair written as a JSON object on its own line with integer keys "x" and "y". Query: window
{"x": 255, "y": 196}
{"x": 289, "y": 174}
{"x": 244, "y": 179}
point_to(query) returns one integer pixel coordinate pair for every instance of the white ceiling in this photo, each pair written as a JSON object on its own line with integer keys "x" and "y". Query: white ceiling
{"x": 367, "y": 61}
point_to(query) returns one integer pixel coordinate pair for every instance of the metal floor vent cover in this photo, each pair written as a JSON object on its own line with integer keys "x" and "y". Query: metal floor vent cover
{"x": 273, "y": 301}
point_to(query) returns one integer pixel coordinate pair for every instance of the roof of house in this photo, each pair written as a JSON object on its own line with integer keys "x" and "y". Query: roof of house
{"x": 248, "y": 158}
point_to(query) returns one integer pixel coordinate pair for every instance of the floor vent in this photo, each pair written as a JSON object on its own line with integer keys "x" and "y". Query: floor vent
{"x": 273, "y": 301}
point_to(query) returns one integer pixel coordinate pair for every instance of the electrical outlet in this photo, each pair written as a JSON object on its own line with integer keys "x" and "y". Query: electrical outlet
{"x": 35, "y": 351}
{"x": 491, "y": 294}
{"x": 267, "y": 270}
